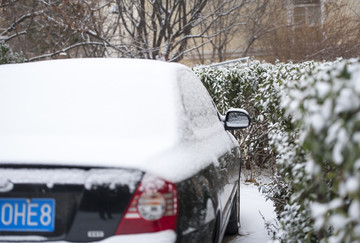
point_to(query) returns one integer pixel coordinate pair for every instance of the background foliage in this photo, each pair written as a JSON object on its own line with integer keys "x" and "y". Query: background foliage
{"x": 257, "y": 89}
{"x": 306, "y": 119}
{"x": 8, "y": 56}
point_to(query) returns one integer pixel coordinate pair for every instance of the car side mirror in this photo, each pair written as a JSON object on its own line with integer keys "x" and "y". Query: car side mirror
{"x": 236, "y": 119}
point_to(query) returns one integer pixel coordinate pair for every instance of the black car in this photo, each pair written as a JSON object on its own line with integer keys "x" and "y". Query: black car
{"x": 115, "y": 150}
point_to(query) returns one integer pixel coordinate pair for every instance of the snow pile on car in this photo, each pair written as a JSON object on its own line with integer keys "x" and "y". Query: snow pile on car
{"x": 89, "y": 178}
{"x": 104, "y": 112}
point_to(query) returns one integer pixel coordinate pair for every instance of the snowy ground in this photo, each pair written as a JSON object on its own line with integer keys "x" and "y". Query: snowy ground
{"x": 253, "y": 205}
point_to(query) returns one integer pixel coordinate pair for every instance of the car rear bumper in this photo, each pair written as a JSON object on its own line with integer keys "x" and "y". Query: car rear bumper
{"x": 166, "y": 236}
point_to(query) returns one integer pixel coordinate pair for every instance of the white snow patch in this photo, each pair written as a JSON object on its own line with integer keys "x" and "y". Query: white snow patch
{"x": 210, "y": 211}
{"x": 5, "y": 185}
{"x": 151, "y": 182}
{"x": 88, "y": 178}
{"x": 338, "y": 221}
{"x": 354, "y": 210}
{"x": 323, "y": 88}
{"x": 28, "y": 238}
{"x": 352, "y": 185}
{"x": 167, "y": 236}
{"x": 252, "y": 206}
{"x": 346, "y": 101}
{"x": 189, "y": 230}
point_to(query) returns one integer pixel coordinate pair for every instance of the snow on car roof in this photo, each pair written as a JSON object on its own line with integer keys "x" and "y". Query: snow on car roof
{"x": 73, "y": 101}
{"x": 95, "y": 112}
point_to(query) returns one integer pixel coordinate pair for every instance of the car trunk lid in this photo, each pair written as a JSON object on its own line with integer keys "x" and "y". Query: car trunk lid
{"x": 81, "y": 204}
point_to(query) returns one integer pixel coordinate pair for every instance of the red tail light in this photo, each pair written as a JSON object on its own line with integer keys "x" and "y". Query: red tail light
{"x": 153, "y": 208}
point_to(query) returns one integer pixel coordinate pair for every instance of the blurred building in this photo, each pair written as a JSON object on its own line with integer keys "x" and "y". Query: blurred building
{"x": 296, "y": 30}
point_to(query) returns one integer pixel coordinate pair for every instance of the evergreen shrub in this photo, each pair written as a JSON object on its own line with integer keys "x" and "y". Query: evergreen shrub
{"x": 306, "y": 118}
{"x": 8, "y": 56}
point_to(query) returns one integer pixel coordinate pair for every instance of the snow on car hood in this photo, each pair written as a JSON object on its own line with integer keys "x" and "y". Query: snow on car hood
{"x": 100, "y": 112}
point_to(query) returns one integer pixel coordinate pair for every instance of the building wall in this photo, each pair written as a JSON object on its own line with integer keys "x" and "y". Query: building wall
{"x": 295, "y": 30}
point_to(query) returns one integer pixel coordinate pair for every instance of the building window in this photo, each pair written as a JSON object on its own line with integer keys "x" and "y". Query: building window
{"x": 300, "y": 2}
{"x": 307, "y": 11}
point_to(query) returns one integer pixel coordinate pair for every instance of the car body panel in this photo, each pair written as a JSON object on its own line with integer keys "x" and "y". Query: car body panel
{"x": 85, "y": 132}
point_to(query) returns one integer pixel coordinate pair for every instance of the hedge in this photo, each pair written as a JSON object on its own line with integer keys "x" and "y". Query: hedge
{"x": 306, "y": 119}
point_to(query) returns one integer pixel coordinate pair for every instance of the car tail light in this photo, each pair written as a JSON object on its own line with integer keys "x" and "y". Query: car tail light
{"x": 153, "y": 208}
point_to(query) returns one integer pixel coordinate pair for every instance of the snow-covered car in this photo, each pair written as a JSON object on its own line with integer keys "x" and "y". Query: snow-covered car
{"x": 115, "y": 150}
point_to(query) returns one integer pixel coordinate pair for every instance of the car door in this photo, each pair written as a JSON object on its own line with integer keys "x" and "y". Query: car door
{"x": 229, "y": 172}
{"x": 205, "y": 125}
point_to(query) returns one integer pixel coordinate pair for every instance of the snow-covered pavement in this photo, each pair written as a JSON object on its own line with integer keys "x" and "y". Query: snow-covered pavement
{"x": 253, "y": 205}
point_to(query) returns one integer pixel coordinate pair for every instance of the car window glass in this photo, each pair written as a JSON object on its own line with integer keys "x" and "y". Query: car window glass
{"x": 196, "y": 101}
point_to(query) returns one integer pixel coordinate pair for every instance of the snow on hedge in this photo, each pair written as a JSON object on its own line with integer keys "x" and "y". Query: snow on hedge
{"x": 308, "y": 115}
{"x": 257, "y": 89}
{"x": 326, "y": 178}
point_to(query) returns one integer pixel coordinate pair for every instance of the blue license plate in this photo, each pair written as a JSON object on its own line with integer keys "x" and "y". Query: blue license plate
{"x": 31, "y": 215}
